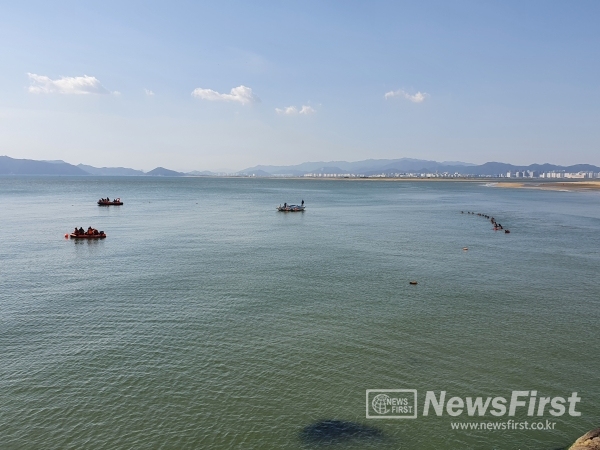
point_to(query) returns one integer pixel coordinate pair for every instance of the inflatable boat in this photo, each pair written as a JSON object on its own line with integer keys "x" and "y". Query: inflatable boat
{"x": 291, "y": 208}
{"x": 100, "y": 235}
{"x": 104, "y": 202}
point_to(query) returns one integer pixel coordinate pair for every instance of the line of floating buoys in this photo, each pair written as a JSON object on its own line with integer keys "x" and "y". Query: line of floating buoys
{"x": 497, "y": 226}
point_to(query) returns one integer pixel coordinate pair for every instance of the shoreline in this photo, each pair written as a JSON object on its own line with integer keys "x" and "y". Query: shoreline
{"x": 575, "y": 185}
{"x": 492, "y": 182}
{"x": 567, "y": 186}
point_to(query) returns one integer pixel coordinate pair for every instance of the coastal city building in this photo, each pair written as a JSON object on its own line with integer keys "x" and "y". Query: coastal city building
{"x": 516, "y": 174}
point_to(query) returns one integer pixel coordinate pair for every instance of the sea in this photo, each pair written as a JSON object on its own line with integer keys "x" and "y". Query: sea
{"x": 208, "y": 320}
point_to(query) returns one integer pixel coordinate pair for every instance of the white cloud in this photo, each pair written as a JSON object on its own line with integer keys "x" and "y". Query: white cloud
{"x": 148, "y": 92}
{"x": 288, "y": 110}
{"x": 419, "y": 97}
{"x": 292, "y": 110}
{"x": 240, "y": 94}
{"x": 307, "y": 110}
{"x": 41, "y": 84}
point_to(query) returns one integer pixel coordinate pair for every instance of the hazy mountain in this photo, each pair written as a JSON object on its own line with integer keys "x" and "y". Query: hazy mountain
{"x": 110, "y": 171}
{"x": 329, "y": 169}
{"x": 408, "y": 165}
{"x": 11, "y": 166}
{"x": 456, "y": 163}
{"x": 254, "y": 172}
{"x": 366, "y": 167}
{"x": 357, "y": 167}
{"x": 204, "y": 173}
{"x": 162, "y": 172}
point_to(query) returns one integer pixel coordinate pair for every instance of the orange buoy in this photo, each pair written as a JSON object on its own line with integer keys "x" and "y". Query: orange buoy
{"x": 413, "y": 282}
{"x": 66, "y": 235}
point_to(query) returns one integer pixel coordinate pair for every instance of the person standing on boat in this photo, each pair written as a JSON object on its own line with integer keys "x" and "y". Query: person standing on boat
{"x": 302, "y": 202}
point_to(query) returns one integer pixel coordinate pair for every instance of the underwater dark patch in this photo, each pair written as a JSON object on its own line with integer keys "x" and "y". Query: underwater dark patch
{"x": 332, "y": 431}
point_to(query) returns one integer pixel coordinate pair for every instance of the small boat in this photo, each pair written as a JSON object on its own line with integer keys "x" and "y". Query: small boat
{"x": 291, "y": 208}
{"x": 91, "y": 233}
{"x": 100, "y": 235}
{"x": 106, "y": 202}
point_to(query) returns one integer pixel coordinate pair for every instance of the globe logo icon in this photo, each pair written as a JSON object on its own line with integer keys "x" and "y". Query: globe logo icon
{"x": 380, "y": 403}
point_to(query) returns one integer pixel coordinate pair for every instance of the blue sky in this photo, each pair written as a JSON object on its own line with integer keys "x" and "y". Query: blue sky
{"x": 195, "y": 86}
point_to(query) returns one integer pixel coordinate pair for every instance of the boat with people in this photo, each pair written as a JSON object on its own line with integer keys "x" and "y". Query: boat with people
{"x": 107, "y": 202}
{"x": 91, "y": 233}
{"x": 291, "y": 208}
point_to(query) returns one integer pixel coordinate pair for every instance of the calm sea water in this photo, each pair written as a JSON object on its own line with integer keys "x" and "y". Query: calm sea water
{"x": 208, "y": 320}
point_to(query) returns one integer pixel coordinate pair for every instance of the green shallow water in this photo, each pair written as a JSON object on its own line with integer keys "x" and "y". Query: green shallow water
{"x": 208, "y": 320}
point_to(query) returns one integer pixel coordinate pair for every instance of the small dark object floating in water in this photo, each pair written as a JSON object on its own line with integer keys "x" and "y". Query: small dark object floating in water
{"x": 331, "y": 431}
{"x": 507, "y": 231}
{"x": 105, "y": 202}
{"x": 413, "y": 282}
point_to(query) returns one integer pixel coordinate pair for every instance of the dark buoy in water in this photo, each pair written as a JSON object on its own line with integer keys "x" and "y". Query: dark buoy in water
{"x": 507, "y": 231}
{"x": 413, "y": 282}
{"x": 332, "y": 431}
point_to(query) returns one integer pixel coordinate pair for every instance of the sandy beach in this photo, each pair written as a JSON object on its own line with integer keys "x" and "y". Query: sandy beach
{"x": 553, "y": 186}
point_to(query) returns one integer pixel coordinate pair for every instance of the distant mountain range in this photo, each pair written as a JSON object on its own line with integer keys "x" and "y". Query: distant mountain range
{"x": 114, "y": 171}
{"x": 11, "y": 166}
{"x": 162, "y": 172}
{"x": 30, "y": 167}
{"x": 407, "y": 165}
{"x": 359, "y": 167}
